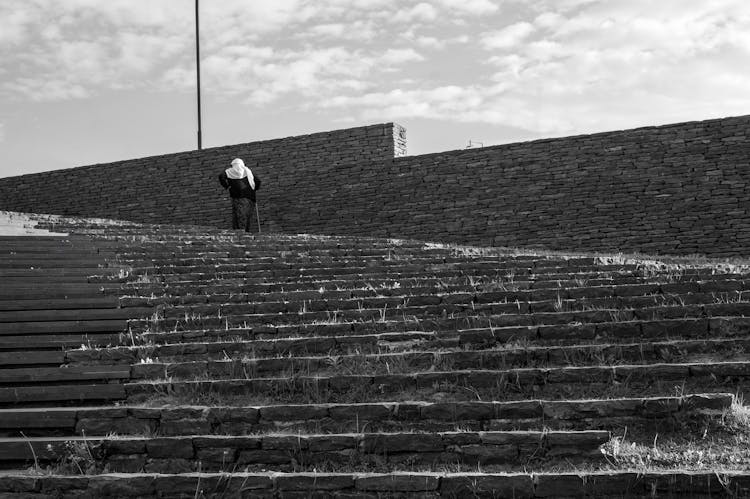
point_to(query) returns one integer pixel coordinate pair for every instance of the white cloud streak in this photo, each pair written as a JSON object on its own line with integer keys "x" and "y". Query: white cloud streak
{"x": 548, "y": 66}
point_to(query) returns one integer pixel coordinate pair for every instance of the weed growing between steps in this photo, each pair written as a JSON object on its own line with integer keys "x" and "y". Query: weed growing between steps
{"x": 243, "y": 325}
{"x": 719, "y": 445}
{"x": 663, "y": 262}
{"x": 312, "y": 390}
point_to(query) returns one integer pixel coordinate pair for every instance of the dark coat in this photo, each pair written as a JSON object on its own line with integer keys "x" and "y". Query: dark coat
{"x": 239, "y": 188}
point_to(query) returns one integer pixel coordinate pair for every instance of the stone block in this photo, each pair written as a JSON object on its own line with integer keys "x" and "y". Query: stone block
{"x": 115, "y": 446}
{"x": 170, "y": 448}
{"x": 397, "y": 482}
{"x": 170, "y": 466}
{"x": 185, "y": 427}
{"x": 120, "y": 486}
{"x": 265, "y": 457}
{"x": 329, "y": 443}
{"x": 219, "y": 415}
{"x": 314, "y": 481}
{"x": 525, "y": 409}
{"x": 518, "y": 486}
{"x": 360, "y": 412}
{"x": 125, "y": 463}
{"x": 293, "y": 412}
{"x": 285, "y": 442}
{"x": 380, "y": 443}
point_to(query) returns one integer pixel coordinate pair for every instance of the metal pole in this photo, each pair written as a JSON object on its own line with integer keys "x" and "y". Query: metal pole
{"x": 198, "y": 65}
{"x": 257, "y": 217}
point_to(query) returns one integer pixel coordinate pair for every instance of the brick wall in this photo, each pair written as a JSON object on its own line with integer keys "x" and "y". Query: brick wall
{"x": 679, "y": 189}
{"x": 183, "y": 187}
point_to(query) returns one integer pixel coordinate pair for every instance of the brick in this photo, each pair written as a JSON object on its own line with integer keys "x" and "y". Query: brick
{"x": 397, "y": 483}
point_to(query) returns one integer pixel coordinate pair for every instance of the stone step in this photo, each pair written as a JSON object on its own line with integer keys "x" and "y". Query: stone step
{"x": 51, "y": 280}
{"x": 348, "y": 418}
{"x": 455, "y": 302}
{"x": 375, "y": 278}
{"x": 37, "y": 240}
{"x": 230, "y": 363}
{"x": 650, "y": 330}
{"x": 170, "y": 347}
{"x": 42, "y": 342}
{"x": 63, "y": 326}
{"x": 521, "y": 290}
{"x": 22, "y": 317}
{"x": 52, "y": 263}
{"x": 391, "y": 256}
{"x": 70, "y": 393}
{"x": 501, "y": 384}
{"x": 344, "y": 267}
{"x": 574, "y": 483}
{"x": 60, "y": 304}
{"x": 31, "y": 358}
{"x": 56, "y": 273}
{"x": 455, "y": 333}
{"x": 41, "y": 375}
{"x": 61, "y": 255}
{"x": 453, "y": 316}
{"x": 223, "y": 292}
{"x": 36, "y": 250}
{"x": 289, "y": 452}
{"x": 24, "y": 291}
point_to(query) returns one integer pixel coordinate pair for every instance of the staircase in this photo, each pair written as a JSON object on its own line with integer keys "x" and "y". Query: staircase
{"x": 170, "y": 361}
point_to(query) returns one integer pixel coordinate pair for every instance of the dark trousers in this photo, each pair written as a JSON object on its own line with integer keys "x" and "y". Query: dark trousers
{"x": 242, "y": 212}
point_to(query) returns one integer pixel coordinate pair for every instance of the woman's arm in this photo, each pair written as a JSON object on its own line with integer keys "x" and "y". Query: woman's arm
{"x": 223, "y": 180}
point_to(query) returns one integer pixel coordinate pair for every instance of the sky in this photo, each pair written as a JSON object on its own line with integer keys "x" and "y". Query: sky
{"x": 91, "y": 81}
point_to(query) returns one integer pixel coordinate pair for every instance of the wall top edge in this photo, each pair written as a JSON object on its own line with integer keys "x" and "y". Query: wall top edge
{"x": 625, "y": 131}
{"x": 189, "y": 152}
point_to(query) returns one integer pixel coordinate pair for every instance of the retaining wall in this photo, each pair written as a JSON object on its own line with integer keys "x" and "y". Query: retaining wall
{"x": 183, "y": 187}
{"x": 679, "y": 189}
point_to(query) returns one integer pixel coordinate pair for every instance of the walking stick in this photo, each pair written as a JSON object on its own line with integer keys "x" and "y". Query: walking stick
{"x": 257, "y": 217}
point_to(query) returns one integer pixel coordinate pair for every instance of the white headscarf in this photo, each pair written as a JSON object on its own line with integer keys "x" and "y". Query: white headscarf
{"x": 239, "y": 170}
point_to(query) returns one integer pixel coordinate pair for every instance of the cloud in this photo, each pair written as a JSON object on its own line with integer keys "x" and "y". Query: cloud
{"x": 560, "y": 65}
{"x": 508, "y": 37}
{"x": 360, "y": 30}
{"x": 430, "y": 42}
{"x": 474, "y": 7}
{"x": 400, "y": 56}
{"x": 422, "y": 12}
{"x": 46, "y": 90}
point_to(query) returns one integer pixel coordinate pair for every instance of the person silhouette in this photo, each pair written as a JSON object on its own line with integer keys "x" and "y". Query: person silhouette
{"x": 242, "y": 184}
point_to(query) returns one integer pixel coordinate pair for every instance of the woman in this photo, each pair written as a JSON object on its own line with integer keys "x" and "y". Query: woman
{"x": 242, "y": 185}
